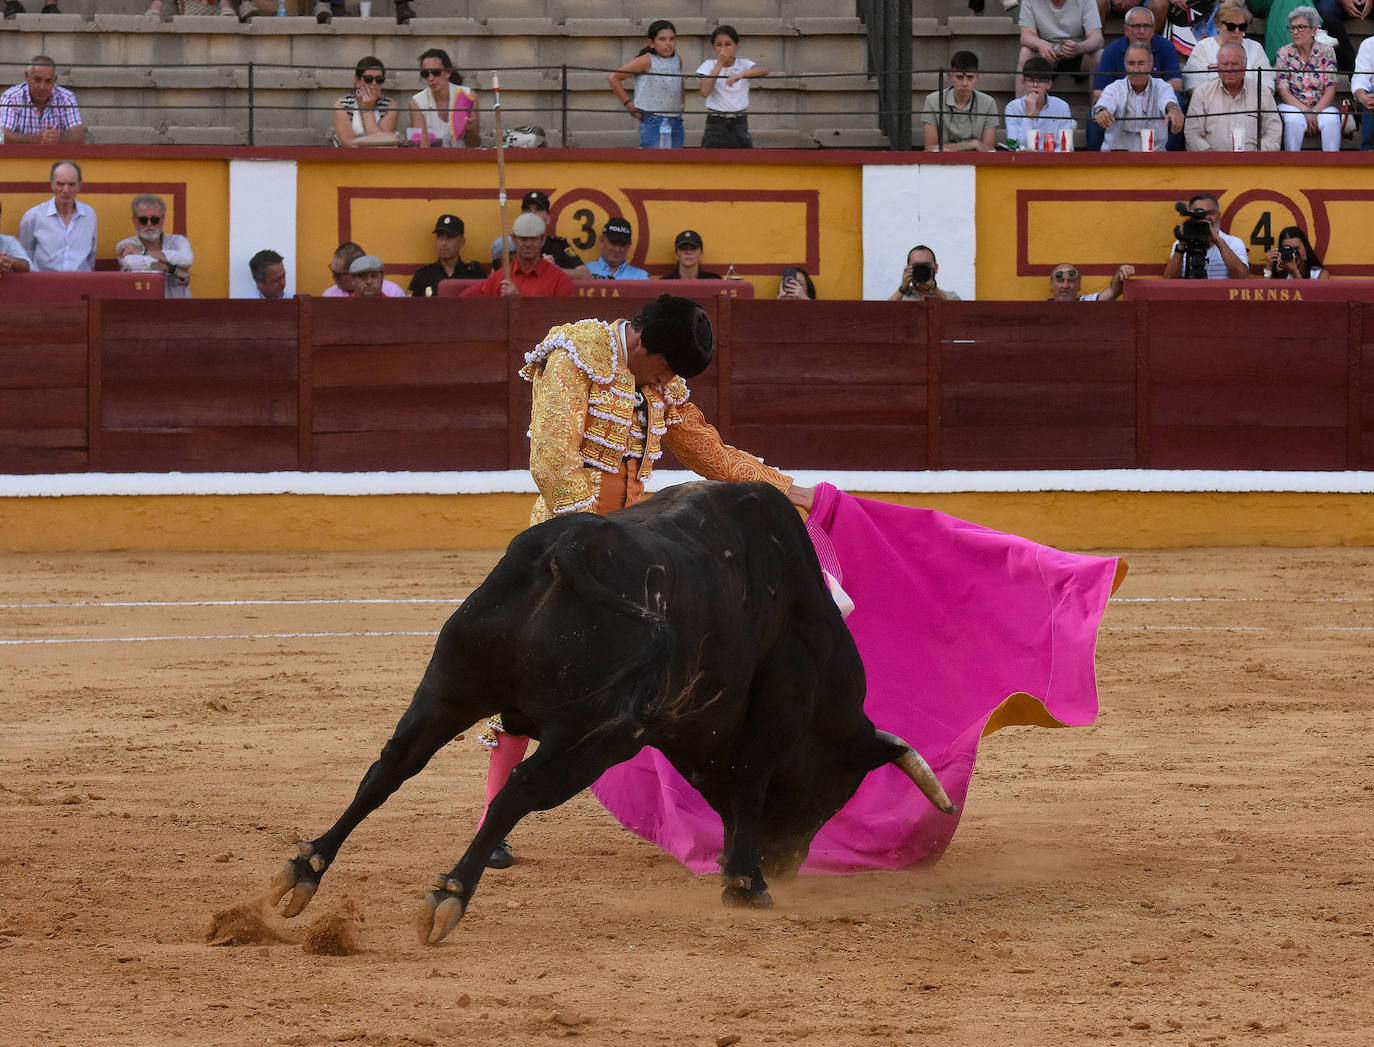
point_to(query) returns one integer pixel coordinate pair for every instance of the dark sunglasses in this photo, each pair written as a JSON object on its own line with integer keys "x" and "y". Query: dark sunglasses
{"x": 148, "y": 219}
{"x": 1236, "y": 27}
{"x": 430, "y": 72}
{"x": 1065, "y": 274}
{"x": 371, "y": 79}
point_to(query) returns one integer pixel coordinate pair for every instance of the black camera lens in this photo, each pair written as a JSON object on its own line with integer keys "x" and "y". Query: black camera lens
{"x": 920, "y": 273}
{"x": 1287, "y": 253}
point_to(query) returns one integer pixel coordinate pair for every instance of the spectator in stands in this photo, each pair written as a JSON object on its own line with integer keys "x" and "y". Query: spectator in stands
{"x": 616, "y": 237}
{"x": 918, "y": 278}
{"x": 1230, "y": 113}
{"x": 688, "y": 248}
{"x": 1293, "y": 258}
{"x": 1227, "y": 258}
{"x": 1065, "y": 33}
{"x": 660, "y": 90}
{"x": 344, "y": 285}
{"x": 1037, "y": 110}
{"x": 38, "y": 111}
{"x": 449, "y": 240}
{"x": 496, "y": 250}
{"x": 1066, "y": 284}
{"x": 434, "y": 110}
{"x": 59, "y": 235}
{"x": 1158, "y": 9}
{"x": 960, "y": 118}
{"x": 725, "y": 86}
{"x": 796, "y": 284}
{"x": 1362, "y": 86}
{"x": 154, "y": 250}
{"x": 1232, "y": 21}
{"x": 245, "y": 11}
{"x": 531, "y": 273}
{"x": 328, "y": 10}
{"x": 1140, "y": 28}
{"x": 1306, "y": 85}
{"x": 269, "y": 273}
{"x": 14, "y": 7}
{"x": 365, "y": 116}
{"x": 1333, "y": 14}
{"x": 13, "y": 257}
{"x": 556, "y": 248}
{"x": 368, "y": 272}
{"x": 1137, "y": 103}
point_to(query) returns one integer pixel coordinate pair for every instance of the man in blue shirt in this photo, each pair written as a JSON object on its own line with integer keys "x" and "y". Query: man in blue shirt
{"x": 1140, "y": 29}
{"x": 616, "y": 236}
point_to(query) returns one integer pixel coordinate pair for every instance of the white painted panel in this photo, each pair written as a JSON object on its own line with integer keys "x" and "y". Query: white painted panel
{"x": 262, "y": 214}
{"x": 909, "y": 204}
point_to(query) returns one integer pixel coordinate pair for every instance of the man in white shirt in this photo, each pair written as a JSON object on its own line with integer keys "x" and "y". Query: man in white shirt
{"x": 152, "y": 249}
{"x": 59, "y": 234}
{"x": 1227, "y": 258}
{"x": 13, "y": 257}
{"x": 1222, "y": 112}
{"x": 1138, "y": 102}
{"x": 1362, "y": 86}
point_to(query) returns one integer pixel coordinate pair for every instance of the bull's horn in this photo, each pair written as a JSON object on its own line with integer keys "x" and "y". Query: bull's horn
{"x": 915, "y": 768}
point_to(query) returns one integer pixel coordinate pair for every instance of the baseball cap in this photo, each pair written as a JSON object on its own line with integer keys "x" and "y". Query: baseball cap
{"x": 618, "y": 231}
{"x": 368, "y": 263}
{"x": 688, "y": 238}
{"x": 450, "y": 224}
{"x": 534, "y": 198}
{"x": 528, "y": 225}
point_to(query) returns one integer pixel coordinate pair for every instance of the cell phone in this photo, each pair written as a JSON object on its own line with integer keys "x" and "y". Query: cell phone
{"x": 791, "y": 273}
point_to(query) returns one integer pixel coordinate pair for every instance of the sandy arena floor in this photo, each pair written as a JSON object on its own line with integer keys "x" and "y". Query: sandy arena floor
{"x": 1194, "y": 868}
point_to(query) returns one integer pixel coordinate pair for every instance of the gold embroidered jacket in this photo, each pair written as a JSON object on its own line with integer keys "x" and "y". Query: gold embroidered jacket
{"x": 583, "y": 423}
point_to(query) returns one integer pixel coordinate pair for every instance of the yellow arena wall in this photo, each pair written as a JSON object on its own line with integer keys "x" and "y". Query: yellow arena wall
{"x": 195, "y": 191}
{"x": 758, "y": 217}
{"x": 1100, "y": 215}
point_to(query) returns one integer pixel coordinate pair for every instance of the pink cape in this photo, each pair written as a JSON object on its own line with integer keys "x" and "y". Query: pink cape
{"x": 962, "y": 629}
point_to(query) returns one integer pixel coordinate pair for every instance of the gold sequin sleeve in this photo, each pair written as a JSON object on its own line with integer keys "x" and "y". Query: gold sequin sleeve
{"x": 698, "y": 444}
{"x": 557, "y": 423}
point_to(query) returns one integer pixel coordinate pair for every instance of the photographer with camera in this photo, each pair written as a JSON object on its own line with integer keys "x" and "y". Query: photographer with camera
{"x": 1293, "y": 258}
{"x": 918, "y": 278}
{"x": 1201, "y": 250}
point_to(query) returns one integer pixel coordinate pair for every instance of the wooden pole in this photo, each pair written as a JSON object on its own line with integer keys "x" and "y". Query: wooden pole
{"x": 500, "y": 170}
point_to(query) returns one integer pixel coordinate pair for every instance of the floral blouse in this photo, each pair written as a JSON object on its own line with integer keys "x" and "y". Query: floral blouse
{"x": 1306, "y": 80}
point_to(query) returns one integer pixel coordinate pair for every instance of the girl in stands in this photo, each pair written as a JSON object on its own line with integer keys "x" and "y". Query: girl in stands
{"x": 660, "y": 92}
{"x": 725, "y": 86}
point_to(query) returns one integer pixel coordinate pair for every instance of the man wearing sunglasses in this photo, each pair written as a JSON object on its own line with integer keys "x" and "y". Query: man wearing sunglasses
{"x": 154, "y": 250}
{"x": 1066, "y": 282}
{"x": 59, "y": 234}
{"x": 1233, "y": 20}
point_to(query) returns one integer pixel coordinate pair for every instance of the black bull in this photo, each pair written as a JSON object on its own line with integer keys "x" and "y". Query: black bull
{"x": 697, "y": 622}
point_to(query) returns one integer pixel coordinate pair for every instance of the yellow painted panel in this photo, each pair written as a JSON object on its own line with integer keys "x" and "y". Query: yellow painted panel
{"x": 1099, "y": 215}
{"x": 196, "y": 193}
{"x": 759, "y": 218}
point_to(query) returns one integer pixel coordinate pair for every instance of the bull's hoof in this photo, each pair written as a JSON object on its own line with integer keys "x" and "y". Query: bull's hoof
{"x": 300, "y": 876}
{"x": 741, "y": 895}
{"x": 440, "y": 912}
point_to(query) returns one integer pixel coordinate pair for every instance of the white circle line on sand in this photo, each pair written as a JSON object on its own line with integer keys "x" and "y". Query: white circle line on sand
{"x": 49, "y": 640}
{"x": 455, "y": 601}
{"x": 223, "y": 603}
{"x": 209, "y": 636}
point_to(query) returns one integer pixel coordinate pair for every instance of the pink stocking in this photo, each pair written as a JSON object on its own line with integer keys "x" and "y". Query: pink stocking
{"x": 510, "y": 749}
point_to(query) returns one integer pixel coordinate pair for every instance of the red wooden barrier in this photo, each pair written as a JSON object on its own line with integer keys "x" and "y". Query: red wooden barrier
{"x": 348, "y": 384}
{"x": 70, "y": 287}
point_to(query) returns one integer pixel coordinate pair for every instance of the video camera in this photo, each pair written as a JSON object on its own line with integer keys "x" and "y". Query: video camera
{"x": 1195, "y": 234}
